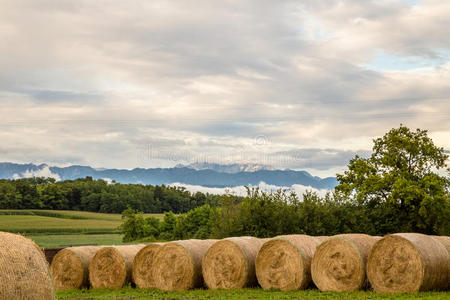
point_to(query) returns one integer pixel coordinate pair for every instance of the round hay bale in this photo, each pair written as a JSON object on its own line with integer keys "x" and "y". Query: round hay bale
{"x": 111, "y": 266}
{"x": 321, "y": 238}
{"x": 143, "y": 265}
{"x": 178, "y": 265}
{"x": 408, "y": 262}
{"x": 339, "y": 263}
{"x": 70, "y": 267}
{"x": 443, "y": 240}
{"x": 24, "y": 271}
{"x": 284, "y": 262}
{"x": 230, "y": 263}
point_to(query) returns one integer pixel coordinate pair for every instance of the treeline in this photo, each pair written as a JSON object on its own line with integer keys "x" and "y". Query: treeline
{"x": 263, "y": 215}
{"x": 98, "y": 196}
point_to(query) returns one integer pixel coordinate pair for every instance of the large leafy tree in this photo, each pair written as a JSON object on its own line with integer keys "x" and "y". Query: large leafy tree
{"x": 401, "y": 178}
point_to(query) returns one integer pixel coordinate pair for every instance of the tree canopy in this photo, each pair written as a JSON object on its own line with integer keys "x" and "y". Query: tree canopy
{"x": 402, "y": 177}
{"x": 87, "y": 194}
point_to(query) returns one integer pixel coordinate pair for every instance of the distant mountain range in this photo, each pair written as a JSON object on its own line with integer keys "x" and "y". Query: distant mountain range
{"x": 230, "y": 168}
{"x": 207, "y": 175}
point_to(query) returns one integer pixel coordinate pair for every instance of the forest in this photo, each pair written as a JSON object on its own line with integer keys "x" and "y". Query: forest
{"x": 98, "y": 196}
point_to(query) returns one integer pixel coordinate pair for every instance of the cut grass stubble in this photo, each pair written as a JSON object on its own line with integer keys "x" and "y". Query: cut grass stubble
{"x": 238, "y": 294}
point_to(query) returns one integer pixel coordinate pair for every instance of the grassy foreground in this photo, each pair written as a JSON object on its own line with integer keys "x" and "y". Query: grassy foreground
{"x": 59, "y": 228}
{"x": 240, "y": 294}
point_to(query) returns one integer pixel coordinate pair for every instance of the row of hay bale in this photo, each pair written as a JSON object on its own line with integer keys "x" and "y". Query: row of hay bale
{"x": 403, "y": 262}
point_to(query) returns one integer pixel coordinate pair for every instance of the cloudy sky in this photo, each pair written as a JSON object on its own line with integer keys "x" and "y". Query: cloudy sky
{"x": 291, "y": 84}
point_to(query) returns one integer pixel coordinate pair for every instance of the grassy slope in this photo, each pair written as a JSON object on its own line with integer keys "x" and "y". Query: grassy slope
{"x": 56, "y": 228}
{"x": 32, "y": 224}
{"x": 71, "y": 214}
{"x": 65, "y": 240}
{"x": 241, "y": 294}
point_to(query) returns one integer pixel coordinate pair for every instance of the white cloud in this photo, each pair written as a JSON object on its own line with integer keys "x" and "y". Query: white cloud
{"x": 108, "y": 180}
{"x": 91, "y": 82}
{"x": 242, "y": 191}
{"x": 43, "y": 172}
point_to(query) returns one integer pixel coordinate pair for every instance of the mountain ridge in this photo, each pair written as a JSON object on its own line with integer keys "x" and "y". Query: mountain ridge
{"x": 226, "y": 168}
{"x": 159, "y": 176}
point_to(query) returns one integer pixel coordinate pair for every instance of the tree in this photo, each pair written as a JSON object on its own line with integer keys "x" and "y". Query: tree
{"x": 197, "y": 223}
{"x": 133, "y": 225}
{"x": 226, "y": 222}
{"x": 151, "y": 227}
{"x": 400, "y": 178}
{"x": 169, "y": 222}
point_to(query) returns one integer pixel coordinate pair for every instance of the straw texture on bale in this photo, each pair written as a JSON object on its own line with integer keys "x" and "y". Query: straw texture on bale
{"x": 178, "y": 265}
{"x": 321, "y": 238}
{"x": 230, "y": 263}
{"x": 285, "y": 262}
{"x": 445, "y": 240}
{"x": 111, "y": 267}
{"x": 70, "y": 267}
{"x": 339, "y": 263}
{"x": 143, "y": 265}
{"x": 24, "y": 271}
{"x": 408, "y": 262}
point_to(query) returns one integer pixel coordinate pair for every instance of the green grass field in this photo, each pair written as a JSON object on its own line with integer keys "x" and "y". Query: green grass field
{"x": 58, "y": 228}
{"x": 240, "y": 294}
{"x": 40, "y": 224}
{"x": 65, "y": 240}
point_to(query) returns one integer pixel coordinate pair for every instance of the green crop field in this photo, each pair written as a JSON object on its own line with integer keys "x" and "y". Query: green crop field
{"x": 58, "y": 228}
{"x": 40, "y": 224}
{"x": 239, "y": 294}
{"x": 65, "y": 240}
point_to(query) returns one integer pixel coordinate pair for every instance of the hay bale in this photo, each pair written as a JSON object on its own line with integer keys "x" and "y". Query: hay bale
{"x": 111, "y": 266}
{"x": 284, "y": 262}
{"x": 230, "y": 263}
{"x": 143, "y": 265}
{"x": 178, "y": 265}
{"x": 321, "y": 238}
{"x": 23, "y": 269}
{"x": 445, "y": 240}
{"x": 339, "y": 263}
{"x": 408, "y": 262}
{"x": 70, "y": 267}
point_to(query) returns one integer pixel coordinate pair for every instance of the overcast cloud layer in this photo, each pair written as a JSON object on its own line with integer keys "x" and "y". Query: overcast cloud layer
{"x": 291, "y": 84}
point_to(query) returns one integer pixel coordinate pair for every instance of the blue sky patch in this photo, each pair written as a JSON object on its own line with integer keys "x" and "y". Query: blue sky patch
{"x": 384, "y": 61}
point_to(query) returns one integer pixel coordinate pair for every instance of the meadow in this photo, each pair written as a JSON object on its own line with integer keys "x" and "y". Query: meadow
{"x": 238, "y": 294}
{"x": 60, "y": 228}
